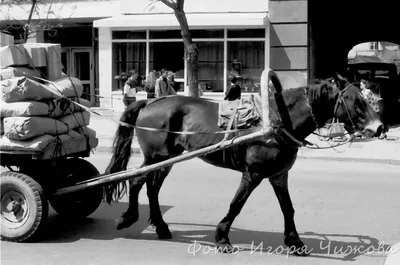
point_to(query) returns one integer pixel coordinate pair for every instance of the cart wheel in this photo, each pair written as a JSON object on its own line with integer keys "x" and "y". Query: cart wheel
{"x": 24, "y": 208}
{"x": 78, "y": 204}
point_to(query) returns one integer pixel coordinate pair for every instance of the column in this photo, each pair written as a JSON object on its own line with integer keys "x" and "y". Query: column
{"x": 105, "y": 67}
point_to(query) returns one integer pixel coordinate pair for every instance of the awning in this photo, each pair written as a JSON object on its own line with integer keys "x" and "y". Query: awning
{"x": 211, "y": 20}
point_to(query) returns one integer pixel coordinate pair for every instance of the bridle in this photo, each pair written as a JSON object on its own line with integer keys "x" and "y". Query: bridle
{"x": 307, "y": 144}
{"x": 339, "y": 101}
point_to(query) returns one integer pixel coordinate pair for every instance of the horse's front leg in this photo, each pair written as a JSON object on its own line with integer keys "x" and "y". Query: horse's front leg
{"x": 291, "y": 237}
{"x": 247, "y": 184}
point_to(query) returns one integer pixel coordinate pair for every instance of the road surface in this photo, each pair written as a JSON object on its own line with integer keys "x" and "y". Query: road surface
{"x": 344, "y": 212}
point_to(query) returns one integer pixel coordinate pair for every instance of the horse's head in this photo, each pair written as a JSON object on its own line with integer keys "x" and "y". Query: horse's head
{"x": 353, "y": 110}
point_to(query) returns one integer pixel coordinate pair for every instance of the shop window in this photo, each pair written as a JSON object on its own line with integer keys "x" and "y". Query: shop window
{"x": 246, "y": 33}
{"x": 126, "y": 57}
{"x": 129, "y": 35}
{"x": 165, "y": 34}
{"x": 246, "y": 61}
{"x": 170, "y": 56}
{"x": 211, "y": 66}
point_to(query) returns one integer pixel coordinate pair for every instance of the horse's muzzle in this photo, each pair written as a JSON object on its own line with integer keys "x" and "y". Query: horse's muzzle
{"x": 373, "y": 129}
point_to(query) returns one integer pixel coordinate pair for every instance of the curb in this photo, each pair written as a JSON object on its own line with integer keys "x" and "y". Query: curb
{"x": 137, "y": 152}
{"x": 352, "y": 159}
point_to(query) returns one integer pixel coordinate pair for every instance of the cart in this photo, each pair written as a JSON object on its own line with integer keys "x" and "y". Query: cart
{"x": 26, "y": 192}
{"x": 74, "y": 186}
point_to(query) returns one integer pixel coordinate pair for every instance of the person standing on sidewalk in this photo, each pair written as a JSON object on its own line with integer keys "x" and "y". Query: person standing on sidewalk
{"x": 163, "y": 87}
{"x": 234, "y": 92}
{"x": 130, "y": 88}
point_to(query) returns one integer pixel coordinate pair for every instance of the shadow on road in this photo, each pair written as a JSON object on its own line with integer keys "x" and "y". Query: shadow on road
{"x": 321, "y": 246}
{"x": 101, "y": 226}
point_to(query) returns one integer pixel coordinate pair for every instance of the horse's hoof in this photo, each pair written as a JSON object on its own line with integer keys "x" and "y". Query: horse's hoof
{"x": 301, "y": 251}
{"x": 382, "y": 136}
{"x": 296, "y": 247}
{"x": 163, "y": 232}
{"x": 124, "y": 222}
{"x": 226, "y": 248}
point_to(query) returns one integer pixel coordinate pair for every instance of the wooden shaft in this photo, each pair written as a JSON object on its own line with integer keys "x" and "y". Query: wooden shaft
{"x": 267, "y": 76}
{"x": 131, "y": 173}
{"x": 265, "y": 99}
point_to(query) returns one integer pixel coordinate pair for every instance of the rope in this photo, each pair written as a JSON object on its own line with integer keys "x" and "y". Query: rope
{"x": 181, "y": 133}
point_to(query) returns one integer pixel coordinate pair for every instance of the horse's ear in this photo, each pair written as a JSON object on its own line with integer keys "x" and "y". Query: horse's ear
{"x": 340, "y": 81}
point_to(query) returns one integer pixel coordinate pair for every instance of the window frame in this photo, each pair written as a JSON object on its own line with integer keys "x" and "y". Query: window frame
{"x": 225, "y": 41}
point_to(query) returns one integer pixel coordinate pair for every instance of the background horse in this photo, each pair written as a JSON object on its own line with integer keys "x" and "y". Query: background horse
{"x": 308, "y": 107}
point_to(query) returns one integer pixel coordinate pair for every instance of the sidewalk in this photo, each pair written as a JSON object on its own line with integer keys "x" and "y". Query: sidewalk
{"x": 374, "y": 150}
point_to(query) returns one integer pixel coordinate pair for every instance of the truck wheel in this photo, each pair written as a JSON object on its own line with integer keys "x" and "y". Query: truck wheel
{"x": 24, "y": 208}
{"x": 78, "y": 204}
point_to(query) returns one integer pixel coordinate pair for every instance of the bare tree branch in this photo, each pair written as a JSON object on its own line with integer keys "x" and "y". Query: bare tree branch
{"x": 27, "y": 26}
{"x": 170, "y": 4}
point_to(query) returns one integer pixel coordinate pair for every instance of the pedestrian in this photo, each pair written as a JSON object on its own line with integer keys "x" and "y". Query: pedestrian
{"x": 162, "y": 87}
{"x": 171, "y": 81}
{"x": 234, "y": 92}
{"x": 377, "y": 103}
{"x": 150, "y": 85}
{"x": 130, "y": 88}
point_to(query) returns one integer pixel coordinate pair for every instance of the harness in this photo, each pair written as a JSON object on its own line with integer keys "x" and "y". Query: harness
{"x": 279, "y": 130}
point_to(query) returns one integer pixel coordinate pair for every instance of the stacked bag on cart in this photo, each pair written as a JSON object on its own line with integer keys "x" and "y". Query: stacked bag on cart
{"x": 41, "y": 108}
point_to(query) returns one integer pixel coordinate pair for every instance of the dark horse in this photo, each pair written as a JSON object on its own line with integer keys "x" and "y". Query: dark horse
{"x": 309, "y": 107}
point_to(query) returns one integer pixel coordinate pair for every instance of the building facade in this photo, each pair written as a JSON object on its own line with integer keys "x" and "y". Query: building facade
{"x": 233, "y": 37}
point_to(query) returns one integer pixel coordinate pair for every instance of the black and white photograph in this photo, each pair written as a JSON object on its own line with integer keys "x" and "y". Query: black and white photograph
{"x": 141, "y": 132}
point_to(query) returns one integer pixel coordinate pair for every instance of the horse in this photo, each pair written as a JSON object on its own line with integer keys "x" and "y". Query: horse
{"x": 163, "y": 129}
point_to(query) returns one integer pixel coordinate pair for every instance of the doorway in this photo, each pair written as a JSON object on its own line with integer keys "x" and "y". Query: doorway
{"x": 78, "y": 62}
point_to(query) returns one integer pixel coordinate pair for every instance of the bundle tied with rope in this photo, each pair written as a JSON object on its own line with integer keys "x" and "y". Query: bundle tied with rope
{"x": 333, "y": 129}
{"x": 41, "y": 108}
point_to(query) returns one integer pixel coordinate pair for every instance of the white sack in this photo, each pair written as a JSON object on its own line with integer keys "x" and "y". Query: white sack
{"x": 36, "y": 144}
{"x": 76, "y": 119}
{"x": 21, "y": 128}
{"x": 12, "y": 72}
{"x": 68, "y": 86}
{"x": 24, "y": 89}
{"x": 50, "y": 108}
{"x": 50, "y": 146}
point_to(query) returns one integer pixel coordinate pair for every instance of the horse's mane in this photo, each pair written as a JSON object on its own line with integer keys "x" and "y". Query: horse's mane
{"x": 316, "y": 90}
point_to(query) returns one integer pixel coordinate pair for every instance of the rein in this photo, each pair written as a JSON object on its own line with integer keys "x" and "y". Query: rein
{"x": 181, "y": 133}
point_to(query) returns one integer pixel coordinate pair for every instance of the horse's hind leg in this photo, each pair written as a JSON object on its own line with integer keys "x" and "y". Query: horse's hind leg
{"x": 291, "y": 237}
{"x": 154, "y": 182}
{"x": 131, "y": 215}
{"x": 248, "y": 183}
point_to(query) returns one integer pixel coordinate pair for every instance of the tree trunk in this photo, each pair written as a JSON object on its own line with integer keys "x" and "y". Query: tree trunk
{"x": 27, "y": 28}
{"x": 191, "y": 52}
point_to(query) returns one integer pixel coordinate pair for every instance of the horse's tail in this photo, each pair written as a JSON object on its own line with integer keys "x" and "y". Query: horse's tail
{"x": 122, "y": 150}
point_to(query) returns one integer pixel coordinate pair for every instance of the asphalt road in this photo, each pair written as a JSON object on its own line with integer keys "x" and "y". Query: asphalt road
{"x": 344, "y": 212}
